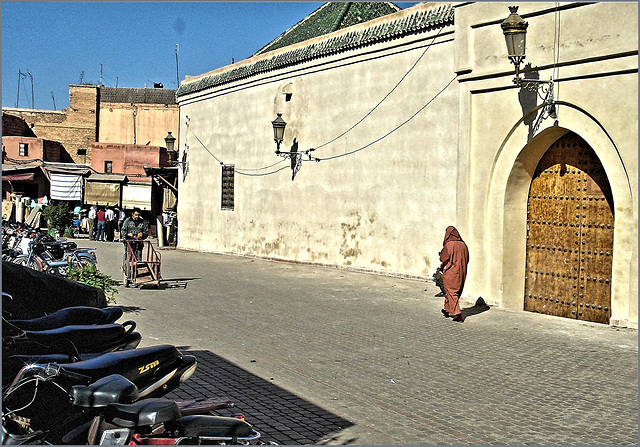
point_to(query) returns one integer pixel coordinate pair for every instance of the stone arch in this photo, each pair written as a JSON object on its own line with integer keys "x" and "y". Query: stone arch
{"x": 511, "y": 176}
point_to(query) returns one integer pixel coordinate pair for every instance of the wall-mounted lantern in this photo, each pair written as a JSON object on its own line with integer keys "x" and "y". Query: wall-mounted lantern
{"x": 514, "y": 29}
{"x": 515, "y": 36}
{"x": 170, "y": 142}
{"x": 278, "y": 131}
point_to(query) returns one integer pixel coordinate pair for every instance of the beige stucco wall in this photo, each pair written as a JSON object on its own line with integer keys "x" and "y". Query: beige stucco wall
{"x": 137, "y": 123}
{"x": 383, "y": 208}
{"x": 596, "y": 90}
{"x": 466, "y": 160}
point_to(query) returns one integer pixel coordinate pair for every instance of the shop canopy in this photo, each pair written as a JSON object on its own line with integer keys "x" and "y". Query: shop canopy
{"x": 104, "y": 189}
{"x": 66, "y": 186}
{"x": 136, "y": 195}
{"x": 67, "y": 180}
{"x": 24, "y": 177}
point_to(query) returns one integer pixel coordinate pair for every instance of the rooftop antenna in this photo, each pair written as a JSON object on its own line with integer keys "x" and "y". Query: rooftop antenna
{"x": 100, "y": 74}
{"x": 54, "y": 101}
{"x": 177, "y": 72}
{"x": 32, "y": 99}
{"x": 81, "y": 76}
{"x": 21, "y": 76}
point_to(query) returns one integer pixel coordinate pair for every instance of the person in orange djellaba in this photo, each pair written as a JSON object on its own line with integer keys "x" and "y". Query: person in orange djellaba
{"x": 454, "y": 258}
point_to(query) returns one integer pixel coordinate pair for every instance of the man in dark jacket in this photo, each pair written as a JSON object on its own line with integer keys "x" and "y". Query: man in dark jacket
{"x": 134, "y": 230}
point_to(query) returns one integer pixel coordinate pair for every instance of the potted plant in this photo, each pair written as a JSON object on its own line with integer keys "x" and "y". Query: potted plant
{"x": 58, "y": 217}
{"x": 90, "y": 275}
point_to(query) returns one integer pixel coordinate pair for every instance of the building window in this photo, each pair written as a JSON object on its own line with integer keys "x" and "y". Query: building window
{"x": 82, "y": 152}
{"x": 228, "y": 172}
{"x": 24, "y": 150}
{"x": 108, "y": 167}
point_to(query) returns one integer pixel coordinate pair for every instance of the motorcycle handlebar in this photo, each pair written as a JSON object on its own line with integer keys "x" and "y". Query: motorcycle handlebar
{"x": 52, "y": 370}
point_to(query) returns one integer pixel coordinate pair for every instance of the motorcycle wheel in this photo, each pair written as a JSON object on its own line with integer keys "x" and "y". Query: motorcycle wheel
{"x": 33, "y": 263}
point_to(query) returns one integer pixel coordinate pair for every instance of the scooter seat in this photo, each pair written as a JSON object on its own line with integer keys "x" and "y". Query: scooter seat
{"x": 206, "y": 425}
{"x": 128, "y": 363}
{"x": 78, "y": 315}
{"x": 142, "y": 412}
{"x": 108, "y": 390}
{"x": 12, "y": 364}
{"x": 86, "y": 338}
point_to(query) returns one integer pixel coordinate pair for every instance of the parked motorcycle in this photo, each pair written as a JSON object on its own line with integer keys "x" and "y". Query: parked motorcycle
{"x": 70, "y": 339}
{"x": 13, "y": 362}
{"x": 84, "y": 315}
{"x": 119, "y": 418}
{"x": 39, "y": 257}
{"x": 38, "y": 388}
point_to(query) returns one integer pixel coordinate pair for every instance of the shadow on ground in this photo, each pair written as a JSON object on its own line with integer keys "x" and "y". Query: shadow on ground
{"x": 277, "y": 414}
{"x": 174, "y": 283}
{"x": 476, "y": 309}
{"x": 132, "y": 309}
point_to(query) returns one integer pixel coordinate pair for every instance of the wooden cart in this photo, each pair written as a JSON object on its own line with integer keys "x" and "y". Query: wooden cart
{"x": 143, "y": 271}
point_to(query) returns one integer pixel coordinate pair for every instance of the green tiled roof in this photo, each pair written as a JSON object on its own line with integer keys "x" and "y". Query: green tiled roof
{"x": 421, "y": 20}
{"x": 328, "y": 18}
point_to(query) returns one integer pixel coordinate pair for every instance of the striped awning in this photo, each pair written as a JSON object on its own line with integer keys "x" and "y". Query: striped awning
{"x": 66, "y": 186}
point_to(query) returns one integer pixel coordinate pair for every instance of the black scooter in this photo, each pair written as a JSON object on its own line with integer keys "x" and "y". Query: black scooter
{"x": 35, "y": 397}
{"x": 83, "y": 315}
{"x": 72, "y": 339}
{"x": 120, "y": 418}
{"x": 14, "y": 331}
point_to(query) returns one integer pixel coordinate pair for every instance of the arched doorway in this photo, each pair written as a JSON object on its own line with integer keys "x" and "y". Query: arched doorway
{"x": 570, "y": 224}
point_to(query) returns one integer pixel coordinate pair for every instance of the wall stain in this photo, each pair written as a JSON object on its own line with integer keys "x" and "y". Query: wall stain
{"x": 349, "y": 232}
{"x": 427, "y": 266}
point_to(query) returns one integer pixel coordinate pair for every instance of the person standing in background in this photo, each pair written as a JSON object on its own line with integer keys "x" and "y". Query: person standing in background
{"x": 91, "y": 222}
{"x": 100, "y": 215}
{"x": 454, "y": 258}
{"x": 110, "y": 220}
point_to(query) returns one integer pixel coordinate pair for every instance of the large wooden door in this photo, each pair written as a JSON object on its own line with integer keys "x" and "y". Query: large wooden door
{"x": 570, "y": 226}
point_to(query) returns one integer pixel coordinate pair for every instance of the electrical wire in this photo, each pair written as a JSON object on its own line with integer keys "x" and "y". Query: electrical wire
{"x": 240, "y": 170}
{"x": 203, "y": 145}
{"x": 556, "y": 51}
{"x": 386, "y": 96}
{"x": 391, "y": 131}
{"x": 262, "y": 175}
{"x": 263, "y": 168}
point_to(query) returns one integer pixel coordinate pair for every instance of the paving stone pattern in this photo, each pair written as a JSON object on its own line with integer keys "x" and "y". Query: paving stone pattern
{"x": 314, "y": 355}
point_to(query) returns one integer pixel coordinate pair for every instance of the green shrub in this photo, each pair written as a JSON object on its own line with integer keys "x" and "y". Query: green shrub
{"x": 90, "y": 275}
{"x": 58, "y": 217}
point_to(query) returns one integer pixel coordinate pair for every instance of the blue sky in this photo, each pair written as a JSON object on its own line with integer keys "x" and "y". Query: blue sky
{"x": 59, "y": 43}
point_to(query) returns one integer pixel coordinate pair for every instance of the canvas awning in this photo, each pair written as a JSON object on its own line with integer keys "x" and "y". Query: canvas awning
{"x": 66, "y": 186}
{"x": 103, "y": 189}
{"x": 18, "y": 177}
{"x": 134, "y": 195}
{"x": 102, "y": 193}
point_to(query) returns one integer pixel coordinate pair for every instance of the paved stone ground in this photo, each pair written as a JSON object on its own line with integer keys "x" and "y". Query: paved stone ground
{"x": 314, "y": 355}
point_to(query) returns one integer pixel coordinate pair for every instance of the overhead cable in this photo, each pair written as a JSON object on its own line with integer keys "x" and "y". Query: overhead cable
{"x": 385, "y": 97}
{"x": 391, "y": 131}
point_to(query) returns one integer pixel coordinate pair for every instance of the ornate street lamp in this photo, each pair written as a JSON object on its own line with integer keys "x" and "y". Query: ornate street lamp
{"x": 514, "y": 29}
{"x": 170, "y": 142}
{"x": 515, "y": 35}
{"x": 278, "y": 131}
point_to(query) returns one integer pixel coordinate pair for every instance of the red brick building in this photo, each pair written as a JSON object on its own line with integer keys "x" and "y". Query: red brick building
{"x": 20, "y": 149}
{"x": 75, "y": 127}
